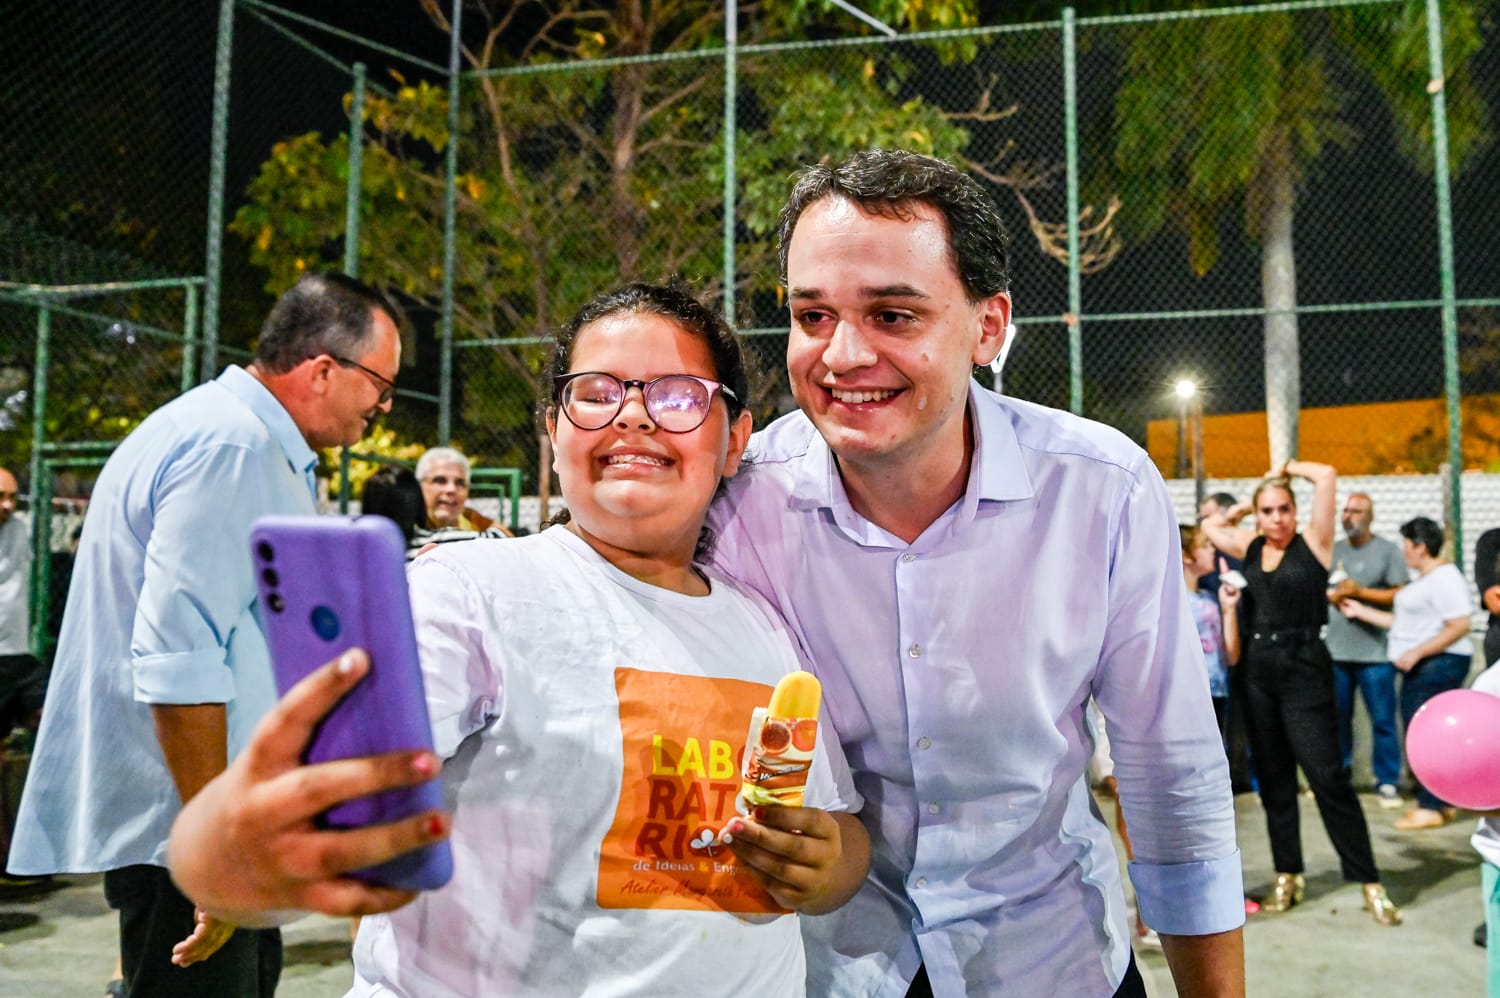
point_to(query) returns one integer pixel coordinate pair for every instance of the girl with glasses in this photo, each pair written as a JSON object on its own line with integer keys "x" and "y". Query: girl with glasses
{"x": 590, "y": 688}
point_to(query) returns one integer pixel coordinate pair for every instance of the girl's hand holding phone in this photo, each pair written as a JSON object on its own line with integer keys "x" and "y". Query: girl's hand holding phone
{"x": 248, "y": 849}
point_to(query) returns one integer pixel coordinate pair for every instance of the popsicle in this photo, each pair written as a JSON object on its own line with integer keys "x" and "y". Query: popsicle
{"x": 779, "y": 747}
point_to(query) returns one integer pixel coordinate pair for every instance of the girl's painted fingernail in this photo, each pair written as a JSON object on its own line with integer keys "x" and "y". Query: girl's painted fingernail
{"x": 425, "y": 765}
{"x": 435, "y": 827}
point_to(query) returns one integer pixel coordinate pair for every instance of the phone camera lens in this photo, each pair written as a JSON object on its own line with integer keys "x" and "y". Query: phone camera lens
{"x": 325, "y": 623}
{"x": 276, "y": 603}
{"x": 266, "y": 552}
{"x": 271, "y": 578}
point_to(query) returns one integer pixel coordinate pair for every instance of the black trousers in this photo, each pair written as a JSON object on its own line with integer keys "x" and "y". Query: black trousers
{"x": 1289, "y": 702}
{"x": 1237, "y": 739}
{"x": 155, "y": 916}
{"x": 1131, "y": 987}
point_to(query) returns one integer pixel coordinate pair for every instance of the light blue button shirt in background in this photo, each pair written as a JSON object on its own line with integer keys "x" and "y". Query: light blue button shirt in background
{"x": 956, "y": 670}
{"x": 161, "y": 610}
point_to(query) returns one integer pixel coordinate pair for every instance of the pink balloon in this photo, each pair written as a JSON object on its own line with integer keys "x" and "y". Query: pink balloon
{"x": 1453, "y": 745}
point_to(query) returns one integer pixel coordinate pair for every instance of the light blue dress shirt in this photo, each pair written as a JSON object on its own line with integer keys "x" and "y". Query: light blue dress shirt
{"x": 161, "y": 610}
{"x": 956, "y": 670}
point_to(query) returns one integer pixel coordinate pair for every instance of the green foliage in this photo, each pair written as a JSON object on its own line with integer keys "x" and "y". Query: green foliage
{"x": 905, "y": 15}
{"x": 1209, "y": 112}
{"x": 571, "y": 182}
{"x": 836, "y": 108}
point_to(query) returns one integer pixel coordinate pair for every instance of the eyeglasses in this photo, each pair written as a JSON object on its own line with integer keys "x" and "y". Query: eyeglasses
{"x": 386, "y": 393}
{"x": 676, "y": 403}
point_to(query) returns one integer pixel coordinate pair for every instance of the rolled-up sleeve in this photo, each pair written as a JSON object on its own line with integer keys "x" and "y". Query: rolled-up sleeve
{"x": 1152, "y": 687}
{"x": 198, "y": 580}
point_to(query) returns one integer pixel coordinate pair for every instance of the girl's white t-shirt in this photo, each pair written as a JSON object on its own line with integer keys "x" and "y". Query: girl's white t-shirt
{"x": 592, "y": 726}
{"x": 1422, "y": 608}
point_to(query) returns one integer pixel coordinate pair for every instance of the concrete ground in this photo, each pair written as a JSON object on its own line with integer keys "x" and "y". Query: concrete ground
{"x": 63, "y": 942}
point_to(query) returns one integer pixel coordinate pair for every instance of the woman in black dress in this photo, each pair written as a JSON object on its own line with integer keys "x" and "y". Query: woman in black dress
{"x": 1289, "y": 691}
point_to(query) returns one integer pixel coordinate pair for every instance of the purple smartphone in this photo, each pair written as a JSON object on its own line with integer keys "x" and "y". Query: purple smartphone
{"x": 327, "y": 584}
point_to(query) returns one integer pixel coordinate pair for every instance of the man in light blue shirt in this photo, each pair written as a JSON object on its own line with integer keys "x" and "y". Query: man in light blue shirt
{"x": 964, "y": 571}
{"x": 161, "y": 669}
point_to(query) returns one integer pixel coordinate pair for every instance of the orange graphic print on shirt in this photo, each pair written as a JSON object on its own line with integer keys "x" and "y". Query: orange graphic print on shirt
{"x": 684, "y": 738}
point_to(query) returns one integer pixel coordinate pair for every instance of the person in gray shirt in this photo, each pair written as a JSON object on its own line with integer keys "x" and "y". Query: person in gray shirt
{"x": 1369, "y": 569}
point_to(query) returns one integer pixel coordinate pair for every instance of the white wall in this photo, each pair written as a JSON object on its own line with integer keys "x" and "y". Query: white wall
{"x": 1397, "y": 498}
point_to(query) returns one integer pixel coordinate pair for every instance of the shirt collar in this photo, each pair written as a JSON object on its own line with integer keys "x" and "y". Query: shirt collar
{"x": 997, "y": 472}
{"x": 268, "y": 409}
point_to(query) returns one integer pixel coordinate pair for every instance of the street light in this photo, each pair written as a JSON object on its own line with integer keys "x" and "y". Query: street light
{"x": 1190, "y": 423}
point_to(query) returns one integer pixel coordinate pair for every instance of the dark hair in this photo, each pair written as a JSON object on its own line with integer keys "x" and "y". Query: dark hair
{"x": 1224, "y": 500}
{"x": 674, "y": 301}
{"x": 395, "y": 494}
{"x": 891, "y": 183}
{"x": 328, "y": 313}
{"x": 1186, "y": 532}
{"x": 1425, "y": 532}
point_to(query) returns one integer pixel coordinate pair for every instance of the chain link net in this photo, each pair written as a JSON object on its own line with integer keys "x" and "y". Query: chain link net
{"x": 1206, "y": 145}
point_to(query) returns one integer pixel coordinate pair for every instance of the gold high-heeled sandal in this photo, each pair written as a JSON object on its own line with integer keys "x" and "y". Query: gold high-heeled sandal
{"x": 1379, "y": 904}
{"x": 1287, "y": 891}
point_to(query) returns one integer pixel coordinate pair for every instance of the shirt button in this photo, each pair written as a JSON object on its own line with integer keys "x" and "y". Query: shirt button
{"x": 933, "y": 808}
{"x": 921, "y": 881}
{"x": 915, "y": 651}
{"x": 908, "y": 558}
{"x": 924, "y": 742}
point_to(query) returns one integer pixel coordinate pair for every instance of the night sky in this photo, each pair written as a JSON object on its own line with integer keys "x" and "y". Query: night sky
{"x": 108, "y": 125}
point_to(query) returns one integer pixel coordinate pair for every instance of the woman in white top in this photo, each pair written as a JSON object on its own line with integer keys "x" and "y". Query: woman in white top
{"x": 1428, "y": 641}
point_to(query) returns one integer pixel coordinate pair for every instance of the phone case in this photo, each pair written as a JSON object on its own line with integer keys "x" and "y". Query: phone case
{"x": 327, "y": 584}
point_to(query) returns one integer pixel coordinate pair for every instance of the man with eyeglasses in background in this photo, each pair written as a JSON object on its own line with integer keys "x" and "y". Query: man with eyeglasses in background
{"x": 161, "y": 670}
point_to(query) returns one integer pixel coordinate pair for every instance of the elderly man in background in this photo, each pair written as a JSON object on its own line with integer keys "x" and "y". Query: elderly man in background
{"x": 444, "y": 476}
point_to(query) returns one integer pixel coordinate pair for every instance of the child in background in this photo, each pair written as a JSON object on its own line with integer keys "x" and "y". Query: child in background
{"x": 1217, "y": 618}
{"x": 1218, "y": 628}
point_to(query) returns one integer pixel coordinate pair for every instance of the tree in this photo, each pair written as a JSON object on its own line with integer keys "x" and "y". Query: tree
{"x": 1234, "y": 111}
{"x": 575, "y": 178}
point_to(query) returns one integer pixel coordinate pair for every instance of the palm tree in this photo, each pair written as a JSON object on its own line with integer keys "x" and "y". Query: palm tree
{"x": 1235, "y": 109}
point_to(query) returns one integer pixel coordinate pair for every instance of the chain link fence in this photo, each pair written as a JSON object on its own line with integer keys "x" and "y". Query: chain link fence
{"x": 1182, "y": 189}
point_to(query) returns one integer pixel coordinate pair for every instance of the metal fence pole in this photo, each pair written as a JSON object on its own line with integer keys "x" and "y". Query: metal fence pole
{"x": 356, "y": 171}
{"x": 213, "y": 257}
{"x": 352, "y": 190}
{"x": 1075, "y": 283}
{"x": 450, "y": 229}
{"x": 190, "y": 337}
{"x": 731, "y": 94}
{"x": 40, "y": 507}
{"x": 1445, "y": 274}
